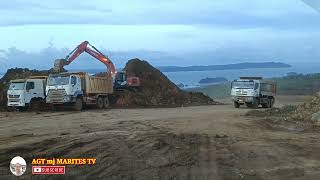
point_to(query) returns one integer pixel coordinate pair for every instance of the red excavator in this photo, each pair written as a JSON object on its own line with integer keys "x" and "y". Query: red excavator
{"x": 121, "y": 80}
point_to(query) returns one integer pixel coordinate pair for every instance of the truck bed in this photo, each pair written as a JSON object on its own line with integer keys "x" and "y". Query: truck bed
{"x": 97, "y": 85}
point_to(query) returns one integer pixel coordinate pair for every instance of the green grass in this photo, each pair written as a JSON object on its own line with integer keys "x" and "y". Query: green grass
{"x": 299, "y": 84}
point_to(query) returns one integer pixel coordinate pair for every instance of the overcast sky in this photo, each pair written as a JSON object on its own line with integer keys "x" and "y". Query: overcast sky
{"x": 182, "y": 31}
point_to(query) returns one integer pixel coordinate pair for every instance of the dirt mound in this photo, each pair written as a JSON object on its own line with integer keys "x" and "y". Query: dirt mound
{"x": 285, "y": 111}
{"x": 300, "y": 113}
{"x": 156, "y": 89}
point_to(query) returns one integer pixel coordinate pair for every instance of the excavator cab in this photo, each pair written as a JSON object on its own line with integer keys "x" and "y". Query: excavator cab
{"x": 121, "y": 81}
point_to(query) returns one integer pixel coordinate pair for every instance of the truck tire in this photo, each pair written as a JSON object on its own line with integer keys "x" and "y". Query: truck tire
{"x": 21, "y": 109}
{"x": 267, "y": 104}
{"x": 35, "y": 105}
{"x": 249, "y": 105}
{"x": 272, "y": 101}
{"x": 54, "y": 107}
{"x": 77, "y": 106}
{"x": 236, "y": 104}
{"x": 99, "y": 102}
{"x": 255, "y": 104}
{"x": 106, "y": 102}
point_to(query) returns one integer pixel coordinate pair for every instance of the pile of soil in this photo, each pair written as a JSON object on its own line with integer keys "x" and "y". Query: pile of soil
{"x": 156, "y": 89}
{"x": 300, "y": 113}
{"x": 285, "y": 111}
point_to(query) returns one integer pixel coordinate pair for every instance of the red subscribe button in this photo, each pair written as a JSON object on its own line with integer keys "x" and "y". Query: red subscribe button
{"x": 48, "y": 169}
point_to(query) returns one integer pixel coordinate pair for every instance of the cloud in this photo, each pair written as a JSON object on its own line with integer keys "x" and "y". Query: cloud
{"x": 289, "y": 48}
{"x": 227, "y": 13}
{"x": 44, "y": 59}
{"x": 179, "y": 30}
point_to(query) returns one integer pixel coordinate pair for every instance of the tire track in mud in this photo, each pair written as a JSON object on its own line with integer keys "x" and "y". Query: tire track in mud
{"x": 127, "y": 150}
{"x": 207, "y": 167}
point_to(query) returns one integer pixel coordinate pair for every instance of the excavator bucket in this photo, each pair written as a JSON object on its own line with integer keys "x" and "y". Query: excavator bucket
{"x": 59, "y": 64}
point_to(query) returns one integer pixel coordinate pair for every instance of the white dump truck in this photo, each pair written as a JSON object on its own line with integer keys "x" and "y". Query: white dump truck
{"x": 24, "y": 93}
{"x": 79, "y": 89}
{"x": 253, "y": 91}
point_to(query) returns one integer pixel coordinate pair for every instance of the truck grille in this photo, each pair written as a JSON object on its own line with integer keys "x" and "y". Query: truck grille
{"x": 241, "y": 93}
{"x": 13, "y": 100}
{"x": 56, "y": 95}
{"x": 14, "y": 96}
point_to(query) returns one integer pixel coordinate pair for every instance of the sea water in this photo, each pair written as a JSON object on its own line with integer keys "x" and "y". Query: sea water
{"x": 192, "y": 78}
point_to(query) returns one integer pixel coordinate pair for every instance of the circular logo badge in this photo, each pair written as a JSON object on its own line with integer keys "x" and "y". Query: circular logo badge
{"x": 18, "y": 166}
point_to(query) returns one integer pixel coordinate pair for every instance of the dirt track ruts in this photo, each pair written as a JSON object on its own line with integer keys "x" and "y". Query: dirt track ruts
{"x": 203, "y": 142}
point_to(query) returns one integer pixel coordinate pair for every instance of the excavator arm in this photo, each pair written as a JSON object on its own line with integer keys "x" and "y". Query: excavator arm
{"x": 121, "y": 80}
{"x": 84, "y": 47}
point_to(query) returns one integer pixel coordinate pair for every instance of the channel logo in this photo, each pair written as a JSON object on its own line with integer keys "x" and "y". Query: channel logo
{"x": 18, "y": 166}
{"x": 48, "y": 169}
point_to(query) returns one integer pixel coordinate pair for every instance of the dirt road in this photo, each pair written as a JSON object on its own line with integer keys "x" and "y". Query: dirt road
{"x": 204, "y": 142}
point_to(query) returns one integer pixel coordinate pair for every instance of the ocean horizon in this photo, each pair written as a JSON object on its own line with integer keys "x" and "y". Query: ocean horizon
{"x": 192, "y": 78}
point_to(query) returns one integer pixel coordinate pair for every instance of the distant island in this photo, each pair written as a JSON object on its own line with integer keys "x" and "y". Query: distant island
{"x": 217, "y": 80}
{"x": 224, "y": 67}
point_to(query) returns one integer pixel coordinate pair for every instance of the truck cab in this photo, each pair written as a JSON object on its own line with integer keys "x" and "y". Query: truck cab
{"x": 79, "y": 89}
{"x": 25, "y": 92}
{"x": 253, "y": 91}
{"x": 63, "y": 88}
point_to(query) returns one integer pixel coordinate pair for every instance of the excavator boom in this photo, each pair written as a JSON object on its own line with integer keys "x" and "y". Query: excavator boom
{"x": 87, "y": 47}
{"x": 84, "y": 47}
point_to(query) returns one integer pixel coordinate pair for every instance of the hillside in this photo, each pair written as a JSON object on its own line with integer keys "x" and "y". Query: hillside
{"x": 224, "y": 67}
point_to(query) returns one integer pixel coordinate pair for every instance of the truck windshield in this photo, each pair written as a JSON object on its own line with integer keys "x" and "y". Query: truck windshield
{"x": 243, "y": 84}
{"x": 16, "y": 86}
{"x": 58, "y": 80}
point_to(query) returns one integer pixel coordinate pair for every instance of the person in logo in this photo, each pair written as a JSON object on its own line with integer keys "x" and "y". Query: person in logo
{"x": 18, "y": 169}
{"x": 18, "y": 166}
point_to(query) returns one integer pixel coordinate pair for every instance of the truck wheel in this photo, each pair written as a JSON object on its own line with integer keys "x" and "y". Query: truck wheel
{"x": 255, "y": 104}
{"x": 271, "y": 103}
{"x": 266, "y": 105}
{"x": 236, "y": 104}
{"x": 21, "y": 109}
{"x": 78, "y": 104}
{"x": 35, "y": 104}
{"x": 54, "y": 107}
{"x": 106, "y": 102}
{"x": 100, "y": 102}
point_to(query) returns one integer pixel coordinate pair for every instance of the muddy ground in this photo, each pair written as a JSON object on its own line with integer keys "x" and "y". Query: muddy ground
{"x": 202, "y": 142}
